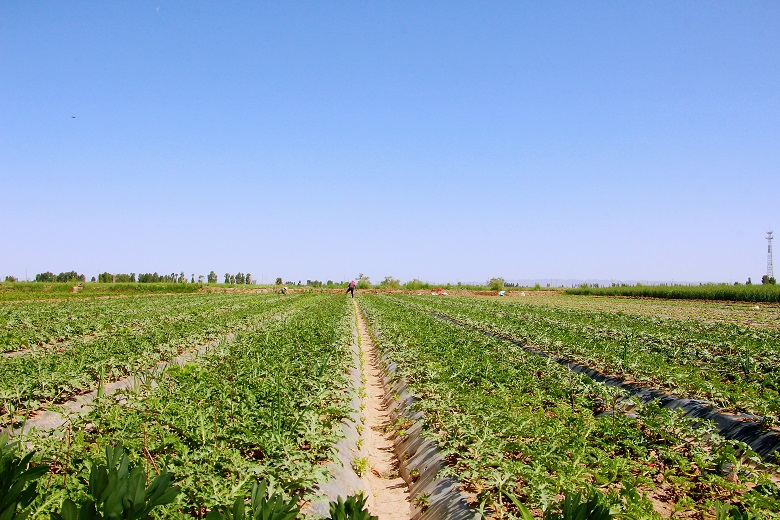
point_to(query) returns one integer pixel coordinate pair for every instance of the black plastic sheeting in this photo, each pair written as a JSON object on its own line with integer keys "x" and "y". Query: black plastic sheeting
{"x": 741, "y": 427}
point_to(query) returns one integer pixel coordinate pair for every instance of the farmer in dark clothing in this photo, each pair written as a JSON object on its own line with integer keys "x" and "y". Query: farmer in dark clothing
{"x": 351, "y": 288}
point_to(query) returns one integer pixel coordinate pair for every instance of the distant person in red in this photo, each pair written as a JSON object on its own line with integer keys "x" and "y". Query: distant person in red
{"x": 351, "y": 288}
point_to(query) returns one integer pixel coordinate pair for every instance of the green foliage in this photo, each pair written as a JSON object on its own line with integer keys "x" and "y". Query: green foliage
{"x": 70, "y": 276}
{"x": 514, "y": 424}
{"x": 679, "y": 355}
{"x": 108, "y": 339}
{"x": 18, "y": 480}
{"x": 353, "y": 508}
{"x": 212, "y": 278}
{"x": 415, "y": 285}
{"x": 728, "y": 512}
{"x": 264, "y": 505}
{"x": 496, "y": 284}
{"x": 766, "y": 292}
{"x": 268, "y": 402}
{"x": 575, "y": 507}
{"x": 360, "y": 465}
{"x": 10, "y": 291}
{"x": 118, "y": 491}
{"x": 390, "y": 283}
{"x": 363, "y": 282}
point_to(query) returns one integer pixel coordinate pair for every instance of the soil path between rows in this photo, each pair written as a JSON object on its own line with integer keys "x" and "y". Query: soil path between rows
{"x": 388, "y": 495}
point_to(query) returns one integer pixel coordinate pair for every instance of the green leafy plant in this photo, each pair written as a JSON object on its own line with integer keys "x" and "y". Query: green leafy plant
{"x": 18, "y": 480}
{"x": 351, "y": 508}
{"x": 119, "y": 491}
{"x": 576, "y": 507}
{"x": 728, "y": 512}
{"x": 360, "y": 465}
{"x": 264, "y": 505}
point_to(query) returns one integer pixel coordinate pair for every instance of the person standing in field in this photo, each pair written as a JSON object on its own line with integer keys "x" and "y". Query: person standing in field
{"x": 351, "y": 288}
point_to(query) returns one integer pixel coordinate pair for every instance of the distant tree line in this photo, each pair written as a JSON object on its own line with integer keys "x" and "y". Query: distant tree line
{"x": 48, "y": 276}
{"x": 142, "y": 278}
{"x": 236, "y": 279}
{"x": 106, "y": 277}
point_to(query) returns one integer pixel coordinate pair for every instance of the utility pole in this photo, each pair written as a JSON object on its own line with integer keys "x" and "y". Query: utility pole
{"x": 769, "y": 269}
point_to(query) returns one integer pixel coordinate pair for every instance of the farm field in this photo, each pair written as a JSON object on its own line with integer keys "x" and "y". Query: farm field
{"x": 511, "y": 422}
{"x": 55, "y": 350}
{"x": 267, "y": 398}
{"x": 265, "y": 404}
{"x": 737, "y": 313}
{"x": 731, "y": 365}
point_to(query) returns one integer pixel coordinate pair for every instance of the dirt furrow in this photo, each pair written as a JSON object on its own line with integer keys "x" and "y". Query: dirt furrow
{"x": 388, "y": 495}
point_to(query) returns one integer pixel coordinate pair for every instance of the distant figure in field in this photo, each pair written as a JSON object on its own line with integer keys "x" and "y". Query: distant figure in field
{"x": 351, "y": 288}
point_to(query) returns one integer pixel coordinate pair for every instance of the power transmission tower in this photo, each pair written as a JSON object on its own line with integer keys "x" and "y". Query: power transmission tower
{"x": 769, "y": 270}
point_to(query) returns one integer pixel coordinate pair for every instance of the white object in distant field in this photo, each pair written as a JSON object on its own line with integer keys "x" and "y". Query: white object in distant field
{"x": 500, "y": 293}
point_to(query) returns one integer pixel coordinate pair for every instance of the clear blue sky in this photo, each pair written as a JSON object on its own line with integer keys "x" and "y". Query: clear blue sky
{"x": 439, "y": 140}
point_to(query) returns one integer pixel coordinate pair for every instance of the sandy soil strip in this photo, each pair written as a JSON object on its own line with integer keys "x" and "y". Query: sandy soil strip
{"x": 388, "y": 496}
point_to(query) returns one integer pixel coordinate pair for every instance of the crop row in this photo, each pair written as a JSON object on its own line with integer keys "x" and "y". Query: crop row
{"x": 22, "y": 291}
{"x": 744, "y": 314}
{"x": 511, "y": 423}
{"x": 266, "y": 405}
{"x": 52, "y": 375}
{"x": 730, "y": 365}
{"x": 26, "y": 325}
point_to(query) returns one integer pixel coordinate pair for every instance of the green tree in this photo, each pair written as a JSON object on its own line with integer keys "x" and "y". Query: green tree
{"x": 496, "y": 284}
{"x": 363, "y": 282}
{"x": 240, "y": 278}
{"x": 415, "y": 285}
{"x": 279, "y": 281}
{"x": 248, "y": 279}
{"x": 11, "y": 279}
{"x": 212, "y": 277}
{"x": 390, "y": 283}
{"x": 48, "y": 276}
{"x": 227, "y": 277}
{"x": 70, "y": 276}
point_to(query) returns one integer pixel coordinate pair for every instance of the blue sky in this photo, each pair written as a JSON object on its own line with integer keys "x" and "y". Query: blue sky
{"x": 446, "y": 141}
